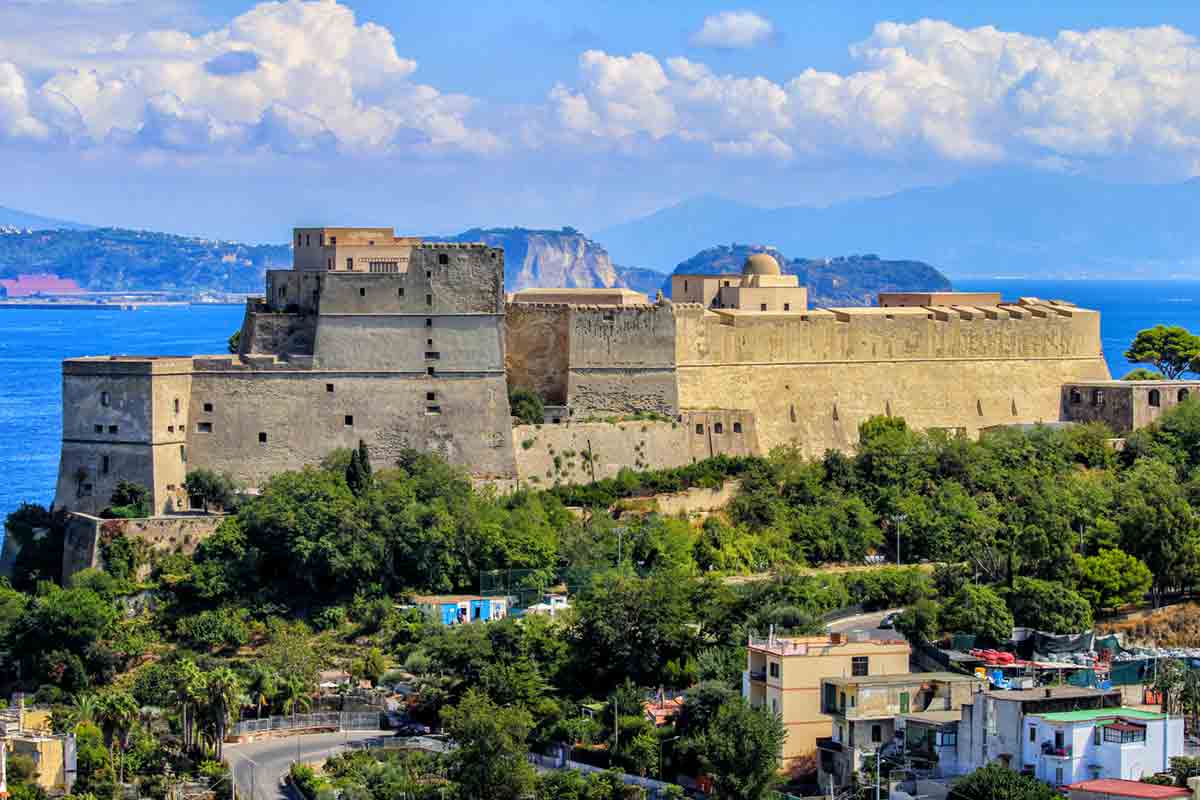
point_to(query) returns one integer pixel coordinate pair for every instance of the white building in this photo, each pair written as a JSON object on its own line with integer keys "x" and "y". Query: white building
{"x": 1064, "y": 735}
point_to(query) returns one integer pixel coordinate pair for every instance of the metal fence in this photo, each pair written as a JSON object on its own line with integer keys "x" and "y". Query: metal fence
{"x": 656, "y": 789}
{"x": 338, "y": 720}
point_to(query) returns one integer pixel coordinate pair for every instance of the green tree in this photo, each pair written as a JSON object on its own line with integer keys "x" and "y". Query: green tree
{"x": 978, "y": 611}
{"x": 1048, "y": 606}
{"x": 1143, "y": 374}
{"x": 358, "y": 471}
{"x": 1157, "y": 525}
{"x": 919, "y": 622}
{"x": 1112, "y": 578}
{"x": 997, "y": 781}
{"x": 209, "y": 488}
{"x": 372, "y": 665}
{"x": 235, "y": 342}
{"x": 489, "y": 759}
{"x": 224, "y": 691}
{"x": 740, "y": 750}
{"x": 526, "y": 406}
{"x": 116, "y": 711}
{"x": 129, "y": 499}
{"x": 1173, "y": 350}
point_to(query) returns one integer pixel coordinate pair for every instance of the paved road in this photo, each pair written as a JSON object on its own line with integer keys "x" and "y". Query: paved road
{"x": 866, "y": 622}
{"x": 266, "y": 760}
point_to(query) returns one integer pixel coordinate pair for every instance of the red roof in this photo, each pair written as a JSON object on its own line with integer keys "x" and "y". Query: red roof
{"x": 44, "y": 283}
{"x": 1120, "y": 788}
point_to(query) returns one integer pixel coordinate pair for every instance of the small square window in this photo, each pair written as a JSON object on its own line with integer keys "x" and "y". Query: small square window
{"x": 349, "y": 421}
{"x": 112, "y": 428}
{"x": 860, "y": 666}
{"x": 208, "y": 407}
{"x": 432, "y": 355}
{"x": 203, "y": 427}
{"x": 762, "y": 306}
{"x": 737, "y": 427}
{"x": 105, "y": 399}
{"x": 400, "y": 291}
{"x": 428, "y": 274}
{"x": 773, "y": 669}
{"x": 428, "y": 322}
{"x": 329, "y": 388}
{"x": 699, "y": 428}
{"x": 876, "y": 733}
{"x": 332, "y": 240}
{"x": 98, "y": 428}
{"x": 430, "y": 396}
{"x": 429, "y": 342}
{"x": 262, "y": 437}
{"x": 443, "y": 258}
{"x": 362, "y": 292}
{"x": 349, "y": 263}
{"x": 787, "y": 306}
{"x": 433, "y": 410}
{"x": 429, "y": 371}
{"x": 718, "y": 428}
{"x": 170, "y": 429}
{"x": 428, "y": 299}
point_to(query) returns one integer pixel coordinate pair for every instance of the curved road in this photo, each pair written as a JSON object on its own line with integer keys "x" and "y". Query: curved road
{"x": 264, "y": 761}
{"x": 866, "y": 622}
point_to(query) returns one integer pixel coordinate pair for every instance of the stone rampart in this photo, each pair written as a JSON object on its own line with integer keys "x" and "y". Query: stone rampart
{"x": 622, "y": 359}
{"x": 537, "y": 349}
{"x": 168, "y": 534}
{"x": 277, "y": 333}
{"x": 578, "y": 452}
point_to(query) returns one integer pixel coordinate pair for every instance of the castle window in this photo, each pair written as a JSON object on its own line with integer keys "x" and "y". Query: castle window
{"x": 349, "y": 263}
{"x": 718, "y": 428}
{"x": 1183, "y": 395}
{"x": 433, "y": 355}
{"x": 400, "y": 292}
{"x": 700, "y": 428}
{"x": 333, "y": 240}
{"x": 307, "y": 240}
{"x": 430, "y": 396}
{"x": 349, "y": 421}
{"x": 362, "y": 292}
{"x": 183, "y": 453}
{"x": 262, "y": 437}
{"x": 170, "y": 429}
{"x": 112, "y": 428}
{"x": 371, "y": 243}
{"x": 685, "y": 286}
{"x": 428, "y": 301}
{"x": 1076, "y": 397}
{"x": 433, "y": 410}
{"x": 176, "y": 405}
{"x": 443, "y": 258}
{"x": 329, "y": 263}
{"x": 428, "y": 322}
{"x": 208, "y": 407}
{"x": 1154, "y": 399}
{"x": 105, "y": 399}
{"x": 429, "y": 342}
{"x": 737, "y": 427}
{"x": 428, "y": 274}
{"x": 98, "y": 428}
{"x": 762, "y": 306}
{"x": 1097, "y": 397}
{"x": 203, "y": 427}
{"x": 329, "y": 387}
{"x": 429, "y": 371}
{"x": 299, "y": 239}
{"x": 104, "y": 465}
{"x": 787, "y": 306}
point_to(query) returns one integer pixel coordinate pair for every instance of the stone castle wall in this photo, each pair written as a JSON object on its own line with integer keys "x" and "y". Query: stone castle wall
{"x": 622, "y": 360}
{"x": 537, "y": 349}
{"x": 167, "y": 534}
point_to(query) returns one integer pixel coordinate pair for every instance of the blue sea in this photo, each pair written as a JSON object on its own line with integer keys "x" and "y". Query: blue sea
{"x": 33, "y": 344}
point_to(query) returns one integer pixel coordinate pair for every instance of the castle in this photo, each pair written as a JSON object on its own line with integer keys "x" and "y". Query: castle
{"x": 399, "y": 342}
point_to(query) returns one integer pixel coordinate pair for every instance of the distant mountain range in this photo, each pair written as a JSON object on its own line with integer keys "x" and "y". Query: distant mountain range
{"x": 108, "y": 259}
{"x": 11, "y": 218}
{"x": 1043, "y": 225}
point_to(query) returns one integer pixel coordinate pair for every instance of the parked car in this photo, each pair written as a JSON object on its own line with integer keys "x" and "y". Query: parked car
{"x": 889, "y": 621}
{"x": 412, "y": 729}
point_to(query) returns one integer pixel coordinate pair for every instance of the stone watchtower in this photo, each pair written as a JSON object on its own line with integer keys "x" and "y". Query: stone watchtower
{"x": 391, "y": 341}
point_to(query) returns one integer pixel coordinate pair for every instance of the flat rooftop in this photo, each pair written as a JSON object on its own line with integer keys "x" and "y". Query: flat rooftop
{"x": 1055, "y": 693}
{"x": 819, "y": 645}
{"x": 1092, "y": 714}
{"x": 935, "y": 717}
{"x": 903, "y": 679}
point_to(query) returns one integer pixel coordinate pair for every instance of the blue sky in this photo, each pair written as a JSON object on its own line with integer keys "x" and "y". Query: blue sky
{"x": 234, "y": 119}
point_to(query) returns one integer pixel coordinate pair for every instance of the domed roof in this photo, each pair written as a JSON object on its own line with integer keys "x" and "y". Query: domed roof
{"x": 760, "y": 264}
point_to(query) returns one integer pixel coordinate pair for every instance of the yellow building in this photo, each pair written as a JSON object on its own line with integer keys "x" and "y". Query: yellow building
{"x": 784, "y": 675}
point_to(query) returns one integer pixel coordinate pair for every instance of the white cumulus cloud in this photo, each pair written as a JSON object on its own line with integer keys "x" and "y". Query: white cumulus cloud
{"x": 928, "y": 89}
{"x": 296, "y": 75}
{"x": 733, "y": 30}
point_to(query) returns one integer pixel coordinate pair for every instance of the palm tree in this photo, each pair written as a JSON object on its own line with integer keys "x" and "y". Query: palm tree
{"x": 189, "y": 689}
{"x": 264, "y": 684}
{"x": 116, "y": 712}
{"x": 293, "y": 693}
{"x": 224, "y": 689}
{"x": 84, "y": 708}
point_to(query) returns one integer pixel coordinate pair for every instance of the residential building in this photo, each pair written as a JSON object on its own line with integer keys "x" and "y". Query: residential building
{"x": 551, "y": 605}
{"x": 784, "y": 675}
{"x": 26, "y": 731}
{"x": 458, "y": 609}
{"x": 1114, "y": 789}
{"x": 1066, "y": 734}
{"x": 1123, "y": 743}
{"x": 931, "y": 741}
{"x": 865, "y": 711}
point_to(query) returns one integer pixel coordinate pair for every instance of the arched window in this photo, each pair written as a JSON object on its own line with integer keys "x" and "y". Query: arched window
{"x": 1183, "y": 395}
{"x": 1154, "y": 398}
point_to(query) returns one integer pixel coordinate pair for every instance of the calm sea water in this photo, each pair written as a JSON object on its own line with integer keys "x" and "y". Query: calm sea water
{"x": 34, "y": 343}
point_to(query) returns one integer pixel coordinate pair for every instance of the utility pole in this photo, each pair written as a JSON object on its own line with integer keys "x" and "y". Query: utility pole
{"x": 899, "y": 520}
{"x": 877, "y": 775}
